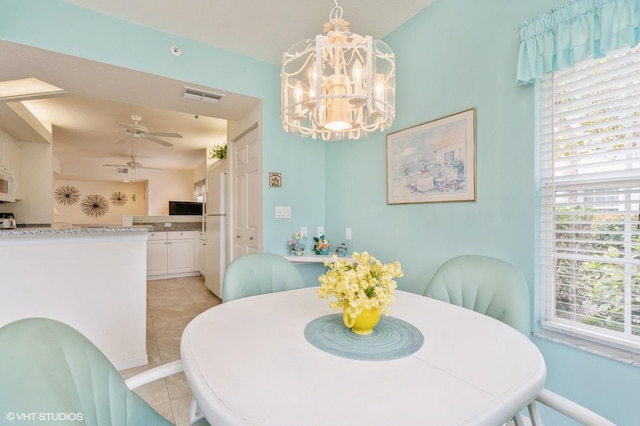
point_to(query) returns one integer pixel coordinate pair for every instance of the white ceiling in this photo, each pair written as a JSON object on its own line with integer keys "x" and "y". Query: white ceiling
{"x": 100, "y": 96}
{"x": 259, "y": 29}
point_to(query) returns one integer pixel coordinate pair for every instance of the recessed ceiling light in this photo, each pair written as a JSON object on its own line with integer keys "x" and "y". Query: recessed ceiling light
{"x": 26, "y": 88}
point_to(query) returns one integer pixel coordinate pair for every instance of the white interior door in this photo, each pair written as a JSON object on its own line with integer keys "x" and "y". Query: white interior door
{"x": 247, "y": 195}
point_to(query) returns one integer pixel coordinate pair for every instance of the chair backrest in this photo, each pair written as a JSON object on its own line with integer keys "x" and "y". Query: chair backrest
{"x": 484, "y": 284}
{"x": 49, "y": 369}
{"x": 259, "y": 273}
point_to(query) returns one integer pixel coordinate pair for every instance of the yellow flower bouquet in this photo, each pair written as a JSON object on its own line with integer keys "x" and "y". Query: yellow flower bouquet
{"x": 358, "y": 284}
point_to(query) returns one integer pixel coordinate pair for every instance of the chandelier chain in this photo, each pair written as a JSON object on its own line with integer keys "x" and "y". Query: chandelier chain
{"x": 336, "y": 12}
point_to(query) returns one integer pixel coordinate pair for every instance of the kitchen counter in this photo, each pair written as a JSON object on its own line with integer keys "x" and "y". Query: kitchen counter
{"x": 90, "y": 277}
{"x": 76, "y": 230}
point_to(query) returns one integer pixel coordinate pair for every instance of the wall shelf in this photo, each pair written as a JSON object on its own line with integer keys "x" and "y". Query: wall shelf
{"x": 312, "y": 259}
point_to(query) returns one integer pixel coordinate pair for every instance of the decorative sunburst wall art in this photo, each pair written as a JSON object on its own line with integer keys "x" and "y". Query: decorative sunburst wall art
{"x": 94, "y": 205}
{"x": 67, "y": 195}
{"x": 118, "y": 198}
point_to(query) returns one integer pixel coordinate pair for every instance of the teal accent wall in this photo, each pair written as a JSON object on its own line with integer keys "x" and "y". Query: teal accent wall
{"x": 452, "y": 56}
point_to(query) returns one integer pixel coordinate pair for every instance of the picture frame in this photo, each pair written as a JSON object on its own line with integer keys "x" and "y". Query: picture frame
{"x": 275, "y": 179}
{"x": 433, "y": 162}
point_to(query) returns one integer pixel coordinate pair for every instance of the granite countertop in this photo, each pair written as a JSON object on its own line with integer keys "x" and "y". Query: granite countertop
{"x": 80, "y": 230}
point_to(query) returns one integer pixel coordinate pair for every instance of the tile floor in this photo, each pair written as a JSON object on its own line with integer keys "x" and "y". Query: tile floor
{"x": 171, "y": 304}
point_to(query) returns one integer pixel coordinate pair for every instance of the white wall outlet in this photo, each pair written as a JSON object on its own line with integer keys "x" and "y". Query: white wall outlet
{"x": 167, "y": 224}
{"x": 283, "y": 212}
{"x": 348, "y": 233}
{"x": 320, "y": 231}
{"x": 303, "y": 231}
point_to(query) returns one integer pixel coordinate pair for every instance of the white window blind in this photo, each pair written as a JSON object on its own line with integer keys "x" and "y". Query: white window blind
{"x": 589, "y": 168}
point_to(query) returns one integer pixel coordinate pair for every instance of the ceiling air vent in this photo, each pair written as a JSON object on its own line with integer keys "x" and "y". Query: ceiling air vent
{"x": 124, "y": 170}
{"x": 201, "y": 95}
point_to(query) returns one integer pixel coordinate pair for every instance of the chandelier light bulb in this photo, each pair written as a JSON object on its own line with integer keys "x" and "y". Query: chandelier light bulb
{"x": 357, "y": 78}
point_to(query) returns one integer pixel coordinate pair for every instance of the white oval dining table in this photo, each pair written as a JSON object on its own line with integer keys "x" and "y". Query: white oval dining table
{"x": 248, "y": 361}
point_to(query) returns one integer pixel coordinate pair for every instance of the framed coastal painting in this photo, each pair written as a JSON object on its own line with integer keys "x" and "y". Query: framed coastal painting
{"x": 433, "y": 162}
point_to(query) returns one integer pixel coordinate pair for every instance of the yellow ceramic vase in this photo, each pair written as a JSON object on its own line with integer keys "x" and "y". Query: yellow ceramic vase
{"x": 363, "y": 323}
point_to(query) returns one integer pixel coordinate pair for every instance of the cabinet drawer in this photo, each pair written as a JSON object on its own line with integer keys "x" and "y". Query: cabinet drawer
{"x": 157, "y": 236}
{"x": 181, "y": 235}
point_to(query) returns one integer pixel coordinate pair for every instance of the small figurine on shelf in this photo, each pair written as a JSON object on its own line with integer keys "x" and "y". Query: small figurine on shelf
{"x": 322, "y": 245}
{"x": 296, "y": 244}
{"x": 341, "y": 250}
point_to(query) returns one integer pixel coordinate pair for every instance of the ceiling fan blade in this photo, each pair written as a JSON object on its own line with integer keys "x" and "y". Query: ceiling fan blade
{"x": 165, "y": 134}
{"x": 156, "y": 140}
{"x": 127, "y": 166}
{"x": 122, "y": 139}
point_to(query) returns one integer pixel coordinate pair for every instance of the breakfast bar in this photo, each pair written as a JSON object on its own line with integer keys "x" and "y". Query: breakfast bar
{"x": 92, "y": 278}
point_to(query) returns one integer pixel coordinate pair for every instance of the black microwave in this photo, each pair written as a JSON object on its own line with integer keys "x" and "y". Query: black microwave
{"x": 185, "y": 208}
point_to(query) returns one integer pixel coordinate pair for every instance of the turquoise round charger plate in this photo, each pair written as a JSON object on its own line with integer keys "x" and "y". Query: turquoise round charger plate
{"x": 392, "y": 338}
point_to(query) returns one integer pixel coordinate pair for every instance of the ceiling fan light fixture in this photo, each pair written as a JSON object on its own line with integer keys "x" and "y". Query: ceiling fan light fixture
{"x": 202, "y": 95}
{"x": 339, "y": 84}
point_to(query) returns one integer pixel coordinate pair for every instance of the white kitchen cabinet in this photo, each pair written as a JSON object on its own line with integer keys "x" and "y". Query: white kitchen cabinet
{"x": 171, "y": 254}
{"x": 181, "y": 255}
{"x": 157, "y": 253}
{"x": 10, "y": 163}
{"x": 9, "y": 157}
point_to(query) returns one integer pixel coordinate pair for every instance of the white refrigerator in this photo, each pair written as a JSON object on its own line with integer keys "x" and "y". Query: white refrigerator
{"x": 215, "y": 226}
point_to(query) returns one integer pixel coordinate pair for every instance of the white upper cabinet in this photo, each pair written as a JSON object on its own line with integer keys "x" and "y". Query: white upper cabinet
{"x": 9, "y": 157}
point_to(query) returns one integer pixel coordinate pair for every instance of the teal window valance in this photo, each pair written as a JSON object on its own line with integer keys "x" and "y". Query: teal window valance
{"x": 574, "y": 31}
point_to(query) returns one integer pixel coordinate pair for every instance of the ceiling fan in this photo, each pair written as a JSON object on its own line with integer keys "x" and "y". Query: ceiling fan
{"x": 138, "y": 131}
{"x": 133, "y": 164}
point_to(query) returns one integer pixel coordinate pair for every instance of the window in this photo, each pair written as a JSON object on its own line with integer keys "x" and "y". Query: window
{"x": 589, "y": 168}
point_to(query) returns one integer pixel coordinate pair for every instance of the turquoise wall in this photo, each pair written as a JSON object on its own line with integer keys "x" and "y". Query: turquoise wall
{"x": 454, "y": 55}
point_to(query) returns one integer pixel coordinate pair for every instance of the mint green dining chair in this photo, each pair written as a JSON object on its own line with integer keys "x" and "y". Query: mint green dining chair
{"x": 483, "y": 284}
{"x": 496, "y": 288}
{"x": 259, "y": 273}
{"x": 52, "y": 374}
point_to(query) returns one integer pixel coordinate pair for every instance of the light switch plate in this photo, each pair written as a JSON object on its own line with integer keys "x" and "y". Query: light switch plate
{"x": 283, "y": 212}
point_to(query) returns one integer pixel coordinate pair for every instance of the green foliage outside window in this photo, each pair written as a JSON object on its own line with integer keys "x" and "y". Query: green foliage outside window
{"x": 590, "y": 286}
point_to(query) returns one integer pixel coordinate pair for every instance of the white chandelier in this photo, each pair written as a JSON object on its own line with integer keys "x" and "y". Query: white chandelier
{"x": 339, "y": 84}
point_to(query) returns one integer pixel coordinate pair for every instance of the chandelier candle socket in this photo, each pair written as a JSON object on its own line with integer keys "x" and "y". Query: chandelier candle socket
{"x": 338, "y": 85}
{"x": 359, "y": 285}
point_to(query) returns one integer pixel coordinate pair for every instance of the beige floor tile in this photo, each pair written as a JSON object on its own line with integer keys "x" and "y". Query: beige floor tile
{"x": 181, "y": 407}
{"x": 155, "y": 393}
{"x": 171, "y": 305}
{"x": 153, "y": 354}
{"x": 178, "y": 387}
{"x": 166, "y": 410}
